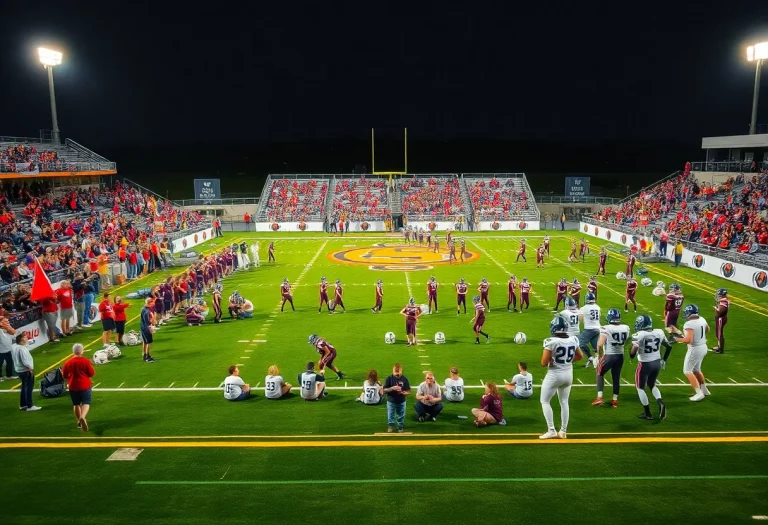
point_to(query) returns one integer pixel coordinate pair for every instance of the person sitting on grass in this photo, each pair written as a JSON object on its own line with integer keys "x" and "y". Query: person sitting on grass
{"x": 311, "y": 383}
{"x": 521, "y": 386}
{"x": 246, "y": 310}
{"x": 372, "y": 389}
{"x": 428, "y": 397}
{"x": 490, "y": 411}
{"x": 454, "y": 387}
{"x": 235, "y": 389}
{"x": 274, "y": 385}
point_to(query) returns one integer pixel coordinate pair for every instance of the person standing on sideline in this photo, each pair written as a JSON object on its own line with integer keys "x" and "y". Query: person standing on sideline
{"x": 147, "y": 329}
{"x": 428, "y": 397}
{"x": 678, "y": 252}
{"x": 25, "y": 367}
{"x": 6, "y": 346}
{"x": 107, "y": 319}
{"x": 65, "y": 298}
{"x": 120, "y": 318}
{"x": 560, "y": 351}
{"x": 397, "y": 388}
{"x": 490, "y": 411}
{"x": 247, "y": 221}
{"x": 78, "y": 372}
{"x": 694, "y": 334}
{"x": 271, "y": 252}
{"x": 562, "y": 222}
{"x": 50, "y": 316}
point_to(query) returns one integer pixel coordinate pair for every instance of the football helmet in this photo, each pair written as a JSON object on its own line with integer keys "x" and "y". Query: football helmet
{"x": 613, "y": 316}
{"x": 643, "y": 322}
{"x": 570, "y": 303}
{"x": 338, "y": 281}
{"x": 674, "y": 287}
{"x": 591, "y": 298}
{"x": 379, "y": 281}
{"x": 575, "y": 280}
{"x": 563, "y": 280}
{"x": 461, "y": 280}
{"x": 476, "y": 299}
{"x": 411, "y": 301}
{"x": 690, "y": 310}
{"x": 312, "y": 339}
{"x": 721, "y": 292}
{"x": 558, "y": 325}
{"x": 285, "y": 279}
{"x": 485, "y": 280}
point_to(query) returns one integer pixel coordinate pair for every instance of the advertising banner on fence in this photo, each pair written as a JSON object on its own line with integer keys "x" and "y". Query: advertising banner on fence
{"x": 207, "y": 189}
{"x": 751, "y": 276}
{"x": 191, "y": 240}
{"x": 577, "y": 186}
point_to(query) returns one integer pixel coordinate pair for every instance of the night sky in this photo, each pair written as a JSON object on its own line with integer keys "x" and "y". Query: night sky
{"x": 157, "y": 74}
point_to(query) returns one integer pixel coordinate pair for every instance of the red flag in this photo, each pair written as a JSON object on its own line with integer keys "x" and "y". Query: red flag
{"x": 41, "y": 286}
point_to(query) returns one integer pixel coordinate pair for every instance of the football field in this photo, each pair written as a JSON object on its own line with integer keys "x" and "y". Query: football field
{"x": 204, "y": 459}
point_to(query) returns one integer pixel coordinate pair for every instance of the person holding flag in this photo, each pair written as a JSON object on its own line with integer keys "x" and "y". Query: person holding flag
{"x": 42, "y": 291}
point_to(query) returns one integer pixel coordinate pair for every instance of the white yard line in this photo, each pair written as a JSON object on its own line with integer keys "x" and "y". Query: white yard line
{"x": 171, "y": 385}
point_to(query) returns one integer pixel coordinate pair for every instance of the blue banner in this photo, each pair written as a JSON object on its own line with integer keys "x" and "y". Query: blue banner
{"x": 577, "y": 186}
{"x": 207, "y": 189}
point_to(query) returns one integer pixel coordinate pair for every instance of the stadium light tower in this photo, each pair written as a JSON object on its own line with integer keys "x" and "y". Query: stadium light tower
{"x": 756, "y": 53}
{"x": 50, "y": 58}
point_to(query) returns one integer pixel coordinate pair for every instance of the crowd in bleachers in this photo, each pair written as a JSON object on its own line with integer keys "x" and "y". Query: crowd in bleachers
{"x": 498, "y": 200}
{"x": 435, "y": 197}
{"x": 23, "y": 157}
{"x": 730, "y": 215}
{"x": 296, "y": 200}
{"x": 361, "y": 199}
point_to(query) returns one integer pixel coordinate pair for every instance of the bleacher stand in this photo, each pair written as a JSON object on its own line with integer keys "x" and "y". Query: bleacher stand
{"x": 361, "y": 199}
{"x": 294, "y": 200}
{"x": 500, "y": 199}
{"x": 436, "y": 198}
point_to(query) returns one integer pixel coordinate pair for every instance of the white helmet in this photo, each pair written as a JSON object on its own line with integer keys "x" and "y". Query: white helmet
{"x": 131, "y": 338}
{"x": 389, "y": 338}
{"x": 101, "y": 357}
{"x": 439, "y": 338}
{"x": 621, "y": 275}
{"x": 113, "y": 351}
{"x": 646, "y": 281}
{"x": 424, "y": 309}
{"x": 520, "y": 338}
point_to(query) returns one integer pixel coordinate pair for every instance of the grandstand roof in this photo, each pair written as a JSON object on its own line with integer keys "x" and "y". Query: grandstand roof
{"x": 735, "y": 141}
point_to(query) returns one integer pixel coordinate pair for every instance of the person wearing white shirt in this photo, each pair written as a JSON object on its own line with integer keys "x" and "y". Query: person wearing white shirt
{"x": 372, "y": 389}
{"x": 235, "y": 389}
{"x": 521, "y": 386}
{"x": 454, "y": 387}
{"x": 25, "y": 367}
{"x": 589, "y": 314}
{"x": 274, "y": 385}
{"x": 694, "y": 335}
{"x": 7, "y": 334}
{"x": 311, "y": 384}
{"x": 246, "y": 310}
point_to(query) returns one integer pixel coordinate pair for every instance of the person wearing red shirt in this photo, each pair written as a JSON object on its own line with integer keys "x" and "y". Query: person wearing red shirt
{"x": 78, "y": 372}
{"x": 119, "y": 309}
{"x": 107, "y": 319}
{"x": 50, "y": 316}
{"x": 65, "y": 296}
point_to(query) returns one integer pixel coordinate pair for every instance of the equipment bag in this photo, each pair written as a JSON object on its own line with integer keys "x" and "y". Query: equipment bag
{"x": 53, "y": 384}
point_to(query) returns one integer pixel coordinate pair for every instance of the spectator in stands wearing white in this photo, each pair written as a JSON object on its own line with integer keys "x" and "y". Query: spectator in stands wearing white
{"x": 7, "y": 334}
{"x": 274, "y": 385}
{"x": 235, "y": 389}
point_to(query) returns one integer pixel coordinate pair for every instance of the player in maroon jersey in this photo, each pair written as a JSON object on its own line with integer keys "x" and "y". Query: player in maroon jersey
{"x": 575, "y": 291}
{"x": 546, "y": 243}
{"x": 562, "y": 291}
{"x": 603, "y": 258}
{"x": 448, "y": 236}
{"x": 285, "y": 292}
{"x": 512, "y": 293}
{"x": 583, "y": 249}
{"x": 525, "y": 292}
{"x": 323, "y": 295}
{"x": 592, "y": 286}
{"x": 421, "y": 236}
{"x": 452, "y": 253}
{"x": 463, "y": 249}
{"x": 432, "y": 285}
{"x": 461, "y": 296}
{"x": 411, "y": 313}
{"x": 572, "y": 255}
{"x": 483, "y": 289}
{"x": 673, "y": 305}
{"x": 379, "y": 297}
{"x": 479, "y": 320}
{"x": 540, "y": 256}
{"x": 629, "y": 294}
{"x": 327, "y": 353}
{"x": 271, "y": 252}
{"x": 407, "y": 234}
{"x": 521, "y": 251}
{"x": 338, "y": 297}
{"x": 429, "y": 239}
{"x": 631, "y": 260}
{"x": 436, "y": 244}
{"x": 721, "y": 318}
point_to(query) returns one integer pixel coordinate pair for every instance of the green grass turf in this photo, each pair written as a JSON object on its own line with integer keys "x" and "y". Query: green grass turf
{"x": 198, "y": 357}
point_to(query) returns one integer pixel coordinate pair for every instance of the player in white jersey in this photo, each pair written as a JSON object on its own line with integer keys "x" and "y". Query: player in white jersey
{"x": 560, "y": 351}
{"x": 571, "y": 316}
{"x": 610, "y": 354}
{"x": 521, "y": 386}
{"x": 590, "y": 316}
{"x": 646, "y": 345}
{"x": 695, "y": 336}
{"x": 235, "y": 389}
{"x": 372, "y": 389}
{"x": 275, "y": 386}
{"x": 454, "y": 387}
{"x": 311, "y": 384}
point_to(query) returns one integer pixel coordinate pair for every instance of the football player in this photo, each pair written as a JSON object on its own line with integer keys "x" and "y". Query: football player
{"x": 521, "y": 251}
{"x": 436, "y": 244}
{"x": 583, "y": 249}
{"x": 429, "y": 239}
{"x": 217, "y": 303}
{"x": 323, "y": 295}
{"x": 479, "y": 320}
{"x": 285, "y": 292}
{"x": 271, "y": 252}
{"x": 483, "y": 289}
{"x": 327, "y": 355}
{"x": 631, "y": 260}
{"x": 463, "y": 249}
{"x": 695, "y": 336}
{"x": 559, "y": 353}
{"x": 452, "y": 252}
{"x": 571, "y": 316}
{"x": 338, "y": 298}
{"x": 721, "y": 318}
{"x": 629, "y": 294}
{"x": 379, "y": 296}
{"x": 562, "y": 291}
{"x": 432, "y": 286}
{"x": 672, "y": 306}
{"x": 610, "y": 354}
{"x": 575, "y": 290}
{"x": 461, "y": 296}
{"x": 546, "y": 243}
{"x": 525, "y": 294}
{"x": 411, "y": 313}
{"x": 572, "y": 255}
{"x": 646, "y": 344}
{"x": 512, "y": 293}
{"x": 540, "y": 256}
{"x": 603, "y": 258}
{"x": 592, "y": 286}
{"x": 590, "y": 315}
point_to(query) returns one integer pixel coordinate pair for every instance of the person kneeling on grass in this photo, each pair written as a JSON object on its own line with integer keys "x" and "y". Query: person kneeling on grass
{"x": 490, "y": 411}
{"x": 428, "y": 397}
{"x": 372, "y": 390}
{"x": 194, "y": 315}
{"x": 235, "y": 389}
{"x": 246, "y": 310}
{"x": 274, "y": 385}
{"x": 311, "y": 383}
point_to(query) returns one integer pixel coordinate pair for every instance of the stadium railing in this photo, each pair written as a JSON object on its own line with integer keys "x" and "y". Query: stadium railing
{"x": 565, "y": 199}
{"x": 728, "y": 166}
{"x": 231, "y": 201}
{"x": 67, "y": 166}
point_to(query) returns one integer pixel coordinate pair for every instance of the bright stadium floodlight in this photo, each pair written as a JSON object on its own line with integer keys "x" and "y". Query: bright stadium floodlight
{"x": 50, "y": 58}
{"x": 756, "y": 53}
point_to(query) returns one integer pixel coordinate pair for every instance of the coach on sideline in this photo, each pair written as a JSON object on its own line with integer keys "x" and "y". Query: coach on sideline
{"x": 78, "y": 372}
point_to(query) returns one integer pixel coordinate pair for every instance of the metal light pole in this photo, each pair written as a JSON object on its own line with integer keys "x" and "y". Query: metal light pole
{"x": 757, "y": 53}
{"x": 49, "y": 59}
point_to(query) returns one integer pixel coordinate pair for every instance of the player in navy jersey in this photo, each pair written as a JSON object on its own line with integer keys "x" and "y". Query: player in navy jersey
{"x": 512, "y": 294}
{"x": 479, "y": 320}
{"x": 411, "y": 313}
{"x": 379, "y": 297}
{"x": 629, "y": 295}
{"x": 328, "y": 355}
{"x": 432, "y": 286}
{"x": 285, "y": 293}
{"x": 722, "y": 304}
{"x": 603, "y": 259}
{"x": 483, "y": 289}
{"x": 525, "y": 291}
{"x": 562, "y": 291}
{"x": 461, "y": 296}
{"x": 323, "y": 295}
{"x": 521, "y": 251}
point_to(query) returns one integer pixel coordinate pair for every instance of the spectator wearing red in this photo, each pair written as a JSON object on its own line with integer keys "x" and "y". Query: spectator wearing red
{"x": 247, "y": 220}
{"x": 50, "y": 316}
{"x": 107, "y": 319}
{"x": 120, "y": 318}
{"x": 65, "y": 297}
{"x": 78, "y": 372}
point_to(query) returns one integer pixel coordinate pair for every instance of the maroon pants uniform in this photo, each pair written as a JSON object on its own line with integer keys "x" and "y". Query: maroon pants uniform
{"x": 479, "y": 324}
{"x": 512, "y": 300}
{"x": 670, "y": 316}
{"x": 525, "y": 300}
{"x": 484, "y": 298}
{"x": 327, "y": 359}
{"x": 410, "y": 326}
{"x": 560, "y": 297}
{"x": 432, "y": 298}
{"x": 720, "y": 323}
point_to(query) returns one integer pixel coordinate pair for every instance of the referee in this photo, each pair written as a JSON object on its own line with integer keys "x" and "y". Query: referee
{"x": 147, "y": 329}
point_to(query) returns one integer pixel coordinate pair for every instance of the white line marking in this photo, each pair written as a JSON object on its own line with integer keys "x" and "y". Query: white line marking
{"x": 257, "y": 384}
{"x": 195, "y": 385}
{"x": 408, "y": 284}
{"x": 482, "y": 384}
{"x": 121, "y": 384}
{"x": 580, "y": 381}
{"x": 97, "y": 384}
{"x": 683, "y": 382}
{"x": 145, "y": 386}
{"x": 756, "y": 379}
{"x": 244, "y": 341}
{"x": 259, "y": 341}
{"x": 732, "y": 380}
{"x": 225, "y": 472}
{"x": 249, "y": 350}
{"x": 238, "y": 364}
{"x": 628, "y": 383}
{"x": 260, "y": 335}
{"x": 171, "y": 385}
{"x": 426, "y": 364}
{"x": 244, "y": 357}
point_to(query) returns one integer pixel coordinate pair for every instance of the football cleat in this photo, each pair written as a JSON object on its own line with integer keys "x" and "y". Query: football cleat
{"x": 549, "y": 434}
{"x": 697, "y": 397}
{"x": 597, "y": 402}
{"x": 645, "y": 416}
{"x": 614, "y": 403}
{"x": 662, "y": 411}
{"x": 562, "y": 435}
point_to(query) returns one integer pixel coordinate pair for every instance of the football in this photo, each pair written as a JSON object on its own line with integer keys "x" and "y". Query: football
{"x": 520, "y": 338}
{"x": 389, "y": 338}
{"x": 439, "y": 338}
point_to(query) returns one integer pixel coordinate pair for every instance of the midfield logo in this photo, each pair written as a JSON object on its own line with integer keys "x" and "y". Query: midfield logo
{"x": 397, "y": 257}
